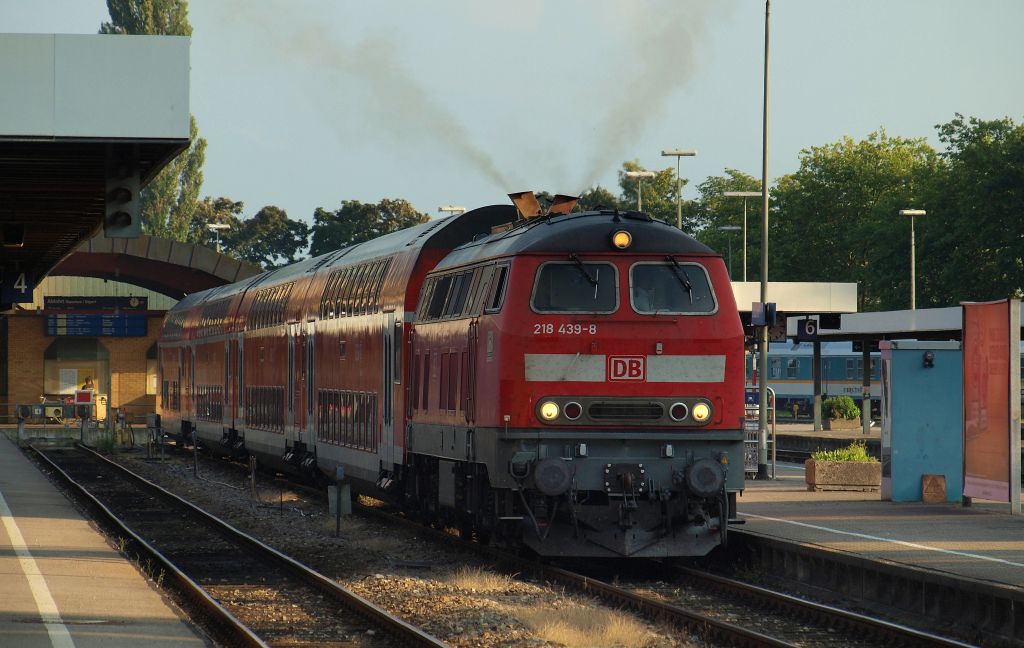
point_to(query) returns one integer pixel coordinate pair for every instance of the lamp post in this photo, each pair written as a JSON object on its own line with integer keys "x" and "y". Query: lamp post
{"x": 762, "y": 387}
{"x": 217, "y": 228}
{"x": 451, "y": 209}
{"x": 640, "y": 175}
{"x": 679, "y": 153}
{"x": 913, "y": 286}
{"x": 744, "y": 195}
{"x": 730, "y": 228}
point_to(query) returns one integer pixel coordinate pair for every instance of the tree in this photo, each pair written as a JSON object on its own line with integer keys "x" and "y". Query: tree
{"x": 970, "y": 246}
{"x": 598, "y": 198}
{"x": 269, "y": 239}
{"x": 714, "y": 210}
{"x": 169, "y": 201}
{"x": 835, "y": 219}
{"x": 659, "y": 195}
{"x": 223, "y": 210}
{"x": 355, "y": 222}
{"x": 168, "y": 17}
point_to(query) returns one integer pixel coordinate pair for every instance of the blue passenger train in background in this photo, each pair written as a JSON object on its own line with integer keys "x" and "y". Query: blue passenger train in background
{"x": 842, "y": 374}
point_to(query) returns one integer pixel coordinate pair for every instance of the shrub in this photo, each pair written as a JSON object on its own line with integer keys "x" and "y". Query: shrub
{"x": 856, "y": 451}
{"x": 840, "y": 407}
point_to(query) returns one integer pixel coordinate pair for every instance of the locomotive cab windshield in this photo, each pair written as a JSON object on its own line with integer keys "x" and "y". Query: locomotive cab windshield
{"x": 576, "y": 287}
{"x": 671, "y": 288}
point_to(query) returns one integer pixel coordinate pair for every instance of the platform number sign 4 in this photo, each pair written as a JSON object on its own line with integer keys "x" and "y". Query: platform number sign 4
{"x": 16, "y": 287}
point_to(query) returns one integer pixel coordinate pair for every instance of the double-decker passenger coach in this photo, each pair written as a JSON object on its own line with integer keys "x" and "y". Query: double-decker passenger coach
{"x": 571, "y": 381}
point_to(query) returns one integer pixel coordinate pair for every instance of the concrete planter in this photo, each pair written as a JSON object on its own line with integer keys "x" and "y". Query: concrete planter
{"x": 842, "y": 424}
{"x": 843, "y": 475}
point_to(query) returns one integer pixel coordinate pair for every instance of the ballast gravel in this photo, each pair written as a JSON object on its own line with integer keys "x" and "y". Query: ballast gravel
{"x": 453, "y": 595}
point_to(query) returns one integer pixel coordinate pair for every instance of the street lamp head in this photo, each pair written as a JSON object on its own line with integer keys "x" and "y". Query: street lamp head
{"x": 451, "y": 209}
{"x": 640, "y": 174}
{"x": 679, "y": 152}
{"x": 913, "y": 212}
{"x": 213, "y": 227}
{"x": 742, "y": 194}
{"x": 729, "y": 228}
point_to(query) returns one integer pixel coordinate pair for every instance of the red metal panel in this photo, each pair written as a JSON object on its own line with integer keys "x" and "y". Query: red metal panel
{"x": 986, "y": 357}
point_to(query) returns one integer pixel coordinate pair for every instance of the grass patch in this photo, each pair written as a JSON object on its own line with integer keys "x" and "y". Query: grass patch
{"x": 579, "y": 627}
{"x": 479, "y": 581}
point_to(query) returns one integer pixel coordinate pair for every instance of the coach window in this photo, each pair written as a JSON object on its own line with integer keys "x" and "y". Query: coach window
{"x": 775, "y": 371}
{"x": 792, "y": 367}
{"x": 576, "y": 287}
{"x": 671, "y": 288}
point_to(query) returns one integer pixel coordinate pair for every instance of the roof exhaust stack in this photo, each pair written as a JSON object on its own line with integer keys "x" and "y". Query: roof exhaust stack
{"x": 562, "y": 204}
{"x": 526, "y": 204}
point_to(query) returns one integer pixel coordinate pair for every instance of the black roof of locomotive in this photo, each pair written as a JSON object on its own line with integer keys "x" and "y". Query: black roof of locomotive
{"x": 579, "y": 232}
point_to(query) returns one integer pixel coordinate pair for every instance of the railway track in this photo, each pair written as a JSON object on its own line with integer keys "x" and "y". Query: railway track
{"x": 247, "y": 593}
{"x": 716, "y": 609}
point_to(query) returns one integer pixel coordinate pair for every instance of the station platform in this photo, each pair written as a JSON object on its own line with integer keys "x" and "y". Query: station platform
{"x": 61, "y": 584}
{"x": 983, "y": 542}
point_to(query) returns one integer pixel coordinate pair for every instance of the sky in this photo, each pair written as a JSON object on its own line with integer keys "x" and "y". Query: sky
{"x": 305, "y": 103}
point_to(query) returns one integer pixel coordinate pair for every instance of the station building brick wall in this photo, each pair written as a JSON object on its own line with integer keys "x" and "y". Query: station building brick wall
{"x": 27, "y": 343}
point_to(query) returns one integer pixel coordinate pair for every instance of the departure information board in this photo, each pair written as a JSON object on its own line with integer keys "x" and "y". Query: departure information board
{"x": 87, "y": 325}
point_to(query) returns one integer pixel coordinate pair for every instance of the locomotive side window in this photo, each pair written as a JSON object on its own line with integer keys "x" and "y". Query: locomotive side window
{"x": 440, "y": 295}
{"x": 497, "y": 295}
{"x": 459, "y": 293}
{"x": 676, "y": 288}
{"x": 576, "y": 287}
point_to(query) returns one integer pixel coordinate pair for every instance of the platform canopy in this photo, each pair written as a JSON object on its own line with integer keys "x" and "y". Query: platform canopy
{"x": 76, "y": 111}
{"x": 919, "y": 324}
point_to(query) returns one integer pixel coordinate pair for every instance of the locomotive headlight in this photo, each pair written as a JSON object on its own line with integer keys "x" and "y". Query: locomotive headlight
{"x": 622, "y": 239}
{"x": 701, "y": 412}
{"x": 549, "y": 410}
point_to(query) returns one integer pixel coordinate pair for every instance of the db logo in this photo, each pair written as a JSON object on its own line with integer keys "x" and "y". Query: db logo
{"x": 627, "y": 368}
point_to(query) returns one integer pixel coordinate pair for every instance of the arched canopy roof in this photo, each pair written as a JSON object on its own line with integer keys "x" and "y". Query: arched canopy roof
{"x": 170, "y": 268}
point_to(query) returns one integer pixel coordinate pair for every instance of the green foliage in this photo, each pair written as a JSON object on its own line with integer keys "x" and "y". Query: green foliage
{"x": 167, "y": 17}
{"x": 714, "y": 210}
{"x": 856, "y": 451}
{"x": 658, "y": 197}
{"x": 969, "y": 246}
{"x": 835, "y": 219}
{"x": 356, "y": 222}
{"x": 598, "y": 198}
{"x": 269, "y": 239}
{"x": 210, "y": 210}
{"x": 169, "y": 201}
{"x": 840, "y": 407}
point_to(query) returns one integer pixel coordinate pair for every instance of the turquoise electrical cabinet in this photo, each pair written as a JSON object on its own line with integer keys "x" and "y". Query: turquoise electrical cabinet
{"x": 922, "y": 418}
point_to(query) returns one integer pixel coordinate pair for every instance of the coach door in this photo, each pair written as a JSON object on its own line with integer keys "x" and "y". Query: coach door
{"x": 387, "y": 442}
{"x": 308, "y": 380}
{"x": 291, "y": 383}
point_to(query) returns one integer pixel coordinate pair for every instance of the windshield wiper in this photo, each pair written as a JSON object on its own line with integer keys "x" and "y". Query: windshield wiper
{"x": 680, "y": 274}
{"x": 579, "y": 265}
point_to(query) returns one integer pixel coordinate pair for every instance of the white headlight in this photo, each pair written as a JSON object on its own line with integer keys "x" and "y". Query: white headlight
{"x": 701, "y": 412}
{"x": 549, "y": 410}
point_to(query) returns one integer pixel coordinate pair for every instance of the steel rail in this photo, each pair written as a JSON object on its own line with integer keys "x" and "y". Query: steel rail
{"x": 225, "y": 626}
{"x": 406, "y": 633}
{"x": 703, "y": 625}
{"x": 884, "y": 630}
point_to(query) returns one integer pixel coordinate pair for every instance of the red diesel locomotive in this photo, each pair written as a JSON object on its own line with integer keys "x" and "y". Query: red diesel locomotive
{"x": 571, "y": 381}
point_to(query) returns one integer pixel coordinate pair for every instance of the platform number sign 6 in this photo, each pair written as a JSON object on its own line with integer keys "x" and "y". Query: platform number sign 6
{"x": 16, "y": 288}
{"x": 807, "y": 330}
